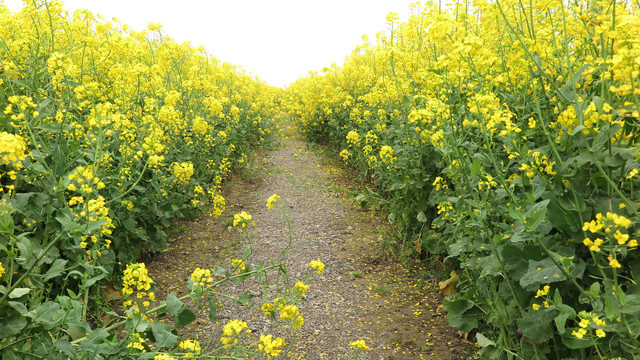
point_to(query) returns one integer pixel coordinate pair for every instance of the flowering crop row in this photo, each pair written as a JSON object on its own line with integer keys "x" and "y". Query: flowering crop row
{"x": 106, "y": 135}
{"x": 503, "y": 135}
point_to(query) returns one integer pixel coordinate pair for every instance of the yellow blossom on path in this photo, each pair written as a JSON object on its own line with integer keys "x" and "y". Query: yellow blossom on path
{"x": 271, "y": 201}
{"x": 272, "y": 347}
{"x": 317, "y": 265}
{"x": 359, "y": 344}
{"x": 239, "y": 265}
{"x": 242, "y": 219}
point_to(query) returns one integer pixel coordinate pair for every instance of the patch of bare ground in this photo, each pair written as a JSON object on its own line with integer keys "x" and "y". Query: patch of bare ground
{"x": 363, "y": 294}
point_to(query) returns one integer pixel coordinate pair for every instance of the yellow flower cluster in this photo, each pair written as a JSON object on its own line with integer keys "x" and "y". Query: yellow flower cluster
{"x": 300, "y": 287}
{"x": 541, "y": 293}
{"x": 2, "y": 270}
{"x": 386, "y": 154}
{"x": 345, "y": 154}
{"x": 232, "y": 330}
{"x": 164, "y": 357}
{"x": 12, "y": 149}
{"x": 238, "y": 265}
{"x": 359, "y": 345}
{"x": 83, "y": 180}
{"x": 202, "y": 277}
{"x": 137, "y": 342}
{"x": 182, "y": 172}
{"x": 590, "y": 321}
{"x": 243, "y": 219}
{"x": 317, "y": 265}
{"x": 191, "y": 347}
{"x": 292, "y": 313}
{"x": 218, "y": 204}
{"x": 611, "y": 231}
{"x": 353, "y": 138}
{"x": 271, "y": 347}
{"x": 136, "y": 279}
{"x": 272, "y": 201}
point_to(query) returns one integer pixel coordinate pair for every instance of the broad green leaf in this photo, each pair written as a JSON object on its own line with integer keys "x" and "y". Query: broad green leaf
{"x": 566, "y": 312}
{"x": 537, "y": 214}
{"x": 18, "y": 292}
{"x": 174, "y": 306}
{"x": 539, "y": 273}
{"x": 65, "y": 347}
{"x": 18, "y": 306}
{"x": 483, "y": 341}
{"x": 184, "y": 318}
{"x": 631, "y": 305}
{"x": 536, "y": 325}
{"x": 163, "y": 335}
{"x": 49, "y": 315}
{"x": 55, "y": 270}
{"x": 422, "y": 217}
{"x": 633, "y": 324}
{"x": 12, "y": 324}
{"x": 573, "y": 342}
{"x": 462, "y": 314}
{"x": 6, "y": 224}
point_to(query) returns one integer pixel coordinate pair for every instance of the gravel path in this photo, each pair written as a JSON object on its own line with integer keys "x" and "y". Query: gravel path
{"x": 363, "y": 294}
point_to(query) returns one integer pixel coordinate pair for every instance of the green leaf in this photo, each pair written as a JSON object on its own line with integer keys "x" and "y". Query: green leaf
{"x": 537, "y": 214}
{"x": 541, "y": 272}
{"x": 94, "y": 279}
{"x": 536, "y": 325}
{"x": 18, "y": 292}
{"x": 65, "y": 347}
{"x": 163, "y": 335}
{"x": 12, "y": 324}
{"x": 184, "y": 318}
{"x": 566, "y": 312}
{"x": 475, "y": 167}
{"x": 55, "y": 270}
{"x": 18, "y": 306}
{"x": 631, "y": 305}
{"x": 245, "y": 298}
{"x": 174, "y": 306}
{"x": 633, "y": 324}
{"x": 49, "y": 314}
{"x": 422, "y": 217}
{"x": 6, "y": 224}
{"x": 573, "y": 342}
{"x": 462, "y": 314}
{"x": 483, "y": 341}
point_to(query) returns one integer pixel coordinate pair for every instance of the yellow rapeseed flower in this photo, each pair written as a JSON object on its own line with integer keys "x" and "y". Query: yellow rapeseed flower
{"x": 271, "y": 201}
{"x": 271, "y": 347}
{"x": 317, "y": 265}
{"x": 359, "y": 344}
{"x": 242, "y": 219}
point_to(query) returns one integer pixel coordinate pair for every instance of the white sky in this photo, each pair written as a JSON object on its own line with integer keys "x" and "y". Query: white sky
{"x": 277, "y": 40}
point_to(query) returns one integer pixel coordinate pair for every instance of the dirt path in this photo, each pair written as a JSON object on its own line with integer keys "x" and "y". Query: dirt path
{"x": 361, "y": 295}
